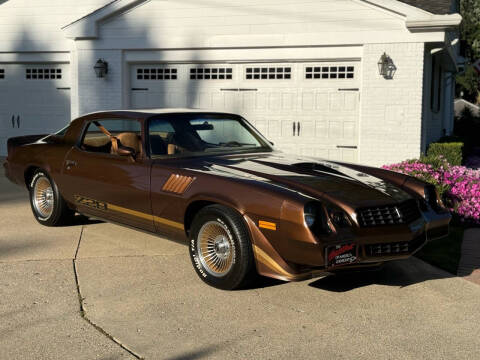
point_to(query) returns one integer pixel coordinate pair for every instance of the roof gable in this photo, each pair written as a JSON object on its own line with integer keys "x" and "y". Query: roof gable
{"x": 406, "y": 16}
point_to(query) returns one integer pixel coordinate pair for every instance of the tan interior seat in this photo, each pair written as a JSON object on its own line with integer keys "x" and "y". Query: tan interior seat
{"x": 96, "y": 141}
{"x": 132, "y": 140}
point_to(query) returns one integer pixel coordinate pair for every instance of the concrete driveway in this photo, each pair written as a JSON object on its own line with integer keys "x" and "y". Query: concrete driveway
{"x": 96, "y": 290}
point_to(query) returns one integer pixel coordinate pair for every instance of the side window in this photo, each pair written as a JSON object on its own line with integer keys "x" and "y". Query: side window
{"x": 161, "y": 133}
{"x": 128, "y": 132}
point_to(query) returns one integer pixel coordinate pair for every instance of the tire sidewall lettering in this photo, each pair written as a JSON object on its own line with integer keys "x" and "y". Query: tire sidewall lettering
{"x": 35, "y": 178}
{"x": 197, "y": 263}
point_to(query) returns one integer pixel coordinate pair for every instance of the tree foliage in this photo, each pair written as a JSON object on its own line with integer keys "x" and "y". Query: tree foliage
{"x": 469, "y": 81}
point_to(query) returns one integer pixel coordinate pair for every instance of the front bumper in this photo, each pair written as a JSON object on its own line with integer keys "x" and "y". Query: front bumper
{"x": 372, "y": 246}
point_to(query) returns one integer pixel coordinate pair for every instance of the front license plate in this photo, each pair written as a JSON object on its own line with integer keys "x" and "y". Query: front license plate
{"x": 340, "y": 255}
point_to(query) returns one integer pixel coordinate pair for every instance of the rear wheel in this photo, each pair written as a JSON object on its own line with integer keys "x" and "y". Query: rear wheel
{"x": 48, "y": 206}
{"x": 220, "y": 248}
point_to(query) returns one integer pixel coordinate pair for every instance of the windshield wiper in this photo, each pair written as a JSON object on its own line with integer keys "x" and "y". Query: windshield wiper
{"x": 235, "y": 144}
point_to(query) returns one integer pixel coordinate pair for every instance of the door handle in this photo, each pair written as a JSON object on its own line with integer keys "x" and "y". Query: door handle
{"x": 298, "y": 128}
{"x": 13, "y": 121}
{"x": 70, "y": 163}
{"x": 18, "y": 121}
{"x": 294, "y": 128}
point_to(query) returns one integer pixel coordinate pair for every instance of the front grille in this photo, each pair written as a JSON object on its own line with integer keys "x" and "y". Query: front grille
{"x": 397, "y": 248}
{"x": 403, "y": 213}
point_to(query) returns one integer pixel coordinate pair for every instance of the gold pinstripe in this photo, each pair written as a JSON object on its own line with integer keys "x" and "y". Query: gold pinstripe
{"x": 268, "y": 261}
{"x": 145, "y": 216}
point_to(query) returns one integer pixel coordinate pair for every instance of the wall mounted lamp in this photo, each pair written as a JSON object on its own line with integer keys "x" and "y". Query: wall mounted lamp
{"x": 386, "y": 67}
{"x": 101, "y": 68}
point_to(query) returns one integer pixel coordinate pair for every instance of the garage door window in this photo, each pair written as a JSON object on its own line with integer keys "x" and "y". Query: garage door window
{"x": 330, "y": 72}
{"x": 157, "y": 74}
{"x": 43, "y": 74}
{"x": 2, "y": 73}
{"x": 211, "y": 73}
{"x": 268, "y": 73}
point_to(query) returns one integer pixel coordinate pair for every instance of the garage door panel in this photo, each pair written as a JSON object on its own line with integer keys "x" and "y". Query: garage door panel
{"x": 349, "y": 155}
{"x": 321, "y": 96}
{"x": 335, "y": 154}
{"x": 232, "y": 101}
{"x": 274, "y": 129}
{"x": 218, "y": 100}
{"x": 351, "y": 102}
{"x": 139, "y": 98}
{"x": 321, "y": 129}
{"x": 287, "y": 128}
{"x": 335, "y": 129}
{"x": 248, "y": 100}
{"x": 337, "y": 101}
{"x": 275, "y": 102}
{"x": 321, "y": 101}
{"x": 37, "y": 95}
{"x": 307, "y": 129}
{"x": 349, "y": 130}
{"x": 308, "y": 101}
{"x": 288, "y": 101}
{"x": 261, "y": 101}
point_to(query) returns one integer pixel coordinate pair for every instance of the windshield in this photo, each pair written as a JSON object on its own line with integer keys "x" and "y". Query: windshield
{"x": 190, "y": 134}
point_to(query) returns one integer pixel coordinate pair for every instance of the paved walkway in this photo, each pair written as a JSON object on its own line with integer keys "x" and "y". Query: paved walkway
{"x": 469, "y": 266}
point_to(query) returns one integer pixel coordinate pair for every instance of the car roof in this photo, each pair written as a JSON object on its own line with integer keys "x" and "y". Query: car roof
{"x": 145, "y": 113}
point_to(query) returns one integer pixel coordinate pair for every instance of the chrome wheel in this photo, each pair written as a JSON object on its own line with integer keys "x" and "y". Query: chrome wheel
{"x": 216, "y": 248}
{"x": 43, "y": 199}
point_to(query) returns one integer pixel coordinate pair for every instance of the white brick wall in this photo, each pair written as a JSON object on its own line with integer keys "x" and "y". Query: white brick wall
{"x": 391, "y": 110}
{"x": 94, "y": 93}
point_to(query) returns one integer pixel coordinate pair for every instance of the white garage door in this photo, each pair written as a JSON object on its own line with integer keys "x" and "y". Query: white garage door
{"x": 304, "y": 108}
{"x": 34, "y": 99}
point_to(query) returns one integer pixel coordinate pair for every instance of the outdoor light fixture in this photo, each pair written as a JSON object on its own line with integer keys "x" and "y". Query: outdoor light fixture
{"x": 386, "y": 67}
{"x": 101, "y": 68}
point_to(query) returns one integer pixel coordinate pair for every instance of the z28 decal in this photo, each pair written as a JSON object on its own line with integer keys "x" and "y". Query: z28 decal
{"x": 95, "y": 204}
{"x": 99, "y": 205}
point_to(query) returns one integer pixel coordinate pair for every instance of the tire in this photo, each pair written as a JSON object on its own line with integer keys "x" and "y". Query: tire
{"x": 48, "y": 206}
{"x": 220, "y": 248}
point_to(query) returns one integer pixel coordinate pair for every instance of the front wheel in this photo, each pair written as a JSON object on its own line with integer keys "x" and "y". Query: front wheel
{"x": 47, "y": 204}
{"x": 220, "y": 248}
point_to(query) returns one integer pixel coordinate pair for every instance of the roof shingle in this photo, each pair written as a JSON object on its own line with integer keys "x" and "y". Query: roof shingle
{"x": 439, "y": 7}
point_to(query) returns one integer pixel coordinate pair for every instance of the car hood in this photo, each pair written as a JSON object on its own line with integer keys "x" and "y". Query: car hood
{"x": 310, "y": 176}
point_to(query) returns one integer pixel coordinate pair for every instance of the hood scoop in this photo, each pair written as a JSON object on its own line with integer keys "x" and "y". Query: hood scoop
{"x": 308, "y": 166}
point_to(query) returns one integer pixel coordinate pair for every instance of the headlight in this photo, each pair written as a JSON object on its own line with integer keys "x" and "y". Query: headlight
{"x": 310, "y": 213}
{"x": 316, "y": 218}
{"x": 338, "y": 217}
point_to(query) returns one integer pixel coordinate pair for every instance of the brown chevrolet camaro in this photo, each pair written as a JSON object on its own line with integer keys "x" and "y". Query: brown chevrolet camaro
{"x": 213, "y": 180}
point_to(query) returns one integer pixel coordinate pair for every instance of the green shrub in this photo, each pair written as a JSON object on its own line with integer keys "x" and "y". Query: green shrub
{"x": 452, "y": 152}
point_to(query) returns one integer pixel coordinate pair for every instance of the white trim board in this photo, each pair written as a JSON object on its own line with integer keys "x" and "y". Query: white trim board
{"x": 246, "y": 55}
{"x": 27, "y": 57}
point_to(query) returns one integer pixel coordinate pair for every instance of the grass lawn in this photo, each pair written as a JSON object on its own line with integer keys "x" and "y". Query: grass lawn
{"x": 444, "y": 253}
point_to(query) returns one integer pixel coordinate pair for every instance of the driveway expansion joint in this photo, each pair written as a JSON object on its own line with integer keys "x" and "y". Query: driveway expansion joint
{"x": 83, "y": 312}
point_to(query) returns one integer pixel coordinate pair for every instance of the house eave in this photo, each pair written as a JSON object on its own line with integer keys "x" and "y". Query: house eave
{"x": 87, "y": 26}
{"x": 435, "y": 23}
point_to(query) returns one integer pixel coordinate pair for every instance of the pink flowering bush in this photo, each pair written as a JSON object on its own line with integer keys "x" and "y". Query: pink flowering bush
{"x": 457, "y": 182}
